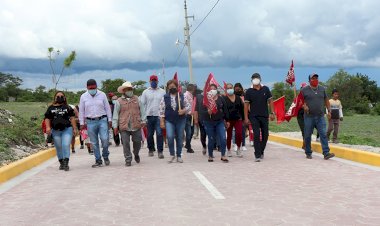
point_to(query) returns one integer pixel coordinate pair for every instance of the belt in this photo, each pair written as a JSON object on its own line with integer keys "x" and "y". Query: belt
{"x": 97, "y": 118}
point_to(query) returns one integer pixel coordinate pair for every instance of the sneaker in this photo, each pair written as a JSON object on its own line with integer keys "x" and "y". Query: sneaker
{"x": 251, "y": 143}
{"x": 82, "y": 147}
{"x": 190, "y": 150}
{"x": 329, "y": 155}
{"x": 172, "y": 159}
{"x": 257, "y": 160}
{"x": 151, "y": 153}
{"x": 160, "y": 155}
{"x": 166, "y": 145}
{"x": 239, "y": 154}
{"x": 137, "y": 158}
{"x": 73, "y": 151}
{"x": 179, "y": 159}
{"x": 204, "y": 151}
{"x": 128, "y": 164}
{"x": 309, "y": 156}
{"x": 317, "y": 139}
{"x": 91, "y": 152}
{"x": 97, "y": 164}
{"x": 229, "y": 153}
{"x": 235, "y": 147}
{"x": 262, "y": 156}
{"x": 107, "y": 161}
{"x": 243, "y": 148}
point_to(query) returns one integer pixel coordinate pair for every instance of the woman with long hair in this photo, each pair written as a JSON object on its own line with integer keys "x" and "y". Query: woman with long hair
{"x": 60, "y": 122}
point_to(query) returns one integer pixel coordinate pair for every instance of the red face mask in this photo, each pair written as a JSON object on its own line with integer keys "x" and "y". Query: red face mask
{"x": 314, "y": 83}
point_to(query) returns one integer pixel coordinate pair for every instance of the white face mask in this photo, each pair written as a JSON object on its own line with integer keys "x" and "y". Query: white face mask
{"x": 256, "y": 81}
{"x": 213, "y": 92}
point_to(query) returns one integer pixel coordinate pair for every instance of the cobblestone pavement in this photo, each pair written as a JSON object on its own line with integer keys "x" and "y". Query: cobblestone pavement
{"x": 284, "y": 189}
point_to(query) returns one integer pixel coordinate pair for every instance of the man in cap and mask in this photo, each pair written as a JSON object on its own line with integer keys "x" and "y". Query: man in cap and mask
{"x": 95, "y": 114}
{"x": 257, "y": 99}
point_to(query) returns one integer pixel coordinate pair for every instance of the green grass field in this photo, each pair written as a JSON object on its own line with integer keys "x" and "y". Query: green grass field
{"x": 356, "y": 129}
{"x": 25, "y": 109}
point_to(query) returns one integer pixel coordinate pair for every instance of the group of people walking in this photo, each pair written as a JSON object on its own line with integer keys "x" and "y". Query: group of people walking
{"x": 177, "y": 113}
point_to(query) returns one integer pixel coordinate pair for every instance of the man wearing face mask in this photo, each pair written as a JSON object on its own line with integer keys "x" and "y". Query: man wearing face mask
{"x": 129, "y": 117}
{"x": 112, "y": 98}
{"x": 95, "y": 114}
{"x": 257, "y": 99}
{"x": 150, "y": 99}
{"x": 316, "y": 100}
{"x": 189, "y": 128}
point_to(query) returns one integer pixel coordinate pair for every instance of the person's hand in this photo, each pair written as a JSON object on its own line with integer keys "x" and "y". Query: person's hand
{"x": 246, "y": 122}
{"x": 83, "y": 127}
{"x": 209, "y": 111}
{"x": 162, "y": 125}
{"x": 196, "y": 122}
{"x": 306, "y": 109}
{"x": 228, "y": 125}
{"x": 341, "y": 118}
{"x": 110, "y": 125}
{"x": 272, "y": 117}
{"x": 329, "y": 115}
{"x": 182, "y": 111}
{"x": 143, "y": 124}
{"x": 75, "y": 131}
{"x": 115, "y": 131}
{"x": 48, "y": 131}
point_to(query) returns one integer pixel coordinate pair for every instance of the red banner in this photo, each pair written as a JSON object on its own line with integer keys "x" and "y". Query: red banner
{"x": 179, "y": 85}
{"x": 290, "y": 77}
{"x": 279, "y": 109}
{"x": 294, "y": 107}
{"x": 209, "y": 100}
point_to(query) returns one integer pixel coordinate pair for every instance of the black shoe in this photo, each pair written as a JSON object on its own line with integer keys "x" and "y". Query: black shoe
{"x": 309, "y": 156}
{"x": 137, "y": 158}
{"x": 61, "y": 167}
{"x": 128, "y": 164}
{"x": 262, "y": 156}
{"x": 97, "y": 164}
{"x": 329, "y": 156}
{"x": 161, "y": 155}
{"x": 81, "y": 147}
{"x": 151, "y": 153}
{"x": 91, "y": 152}
{"x": 190, "y": 150}
{"x": 66, "y": 164}
{"x": 73, "y": 151}
{"x": 107, "y": 161}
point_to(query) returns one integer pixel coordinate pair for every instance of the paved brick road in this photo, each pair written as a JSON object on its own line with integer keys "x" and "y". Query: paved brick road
{"x": 284, "y": 189}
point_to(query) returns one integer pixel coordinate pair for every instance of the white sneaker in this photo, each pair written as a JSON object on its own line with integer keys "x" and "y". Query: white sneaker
{"x": 179, "y": 159}
{"x": 239, "y": 154}
{"x": 243, "y": 148}
{"x": 172, "y": 159}
{"x": 317, "y": 139}
{"x": 251, "y": 142}
{"x": 235, "y": 147}
{"x": 229, "y": 153}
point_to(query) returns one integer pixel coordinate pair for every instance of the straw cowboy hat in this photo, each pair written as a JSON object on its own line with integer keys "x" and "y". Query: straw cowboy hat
{"x": 125, "y": 85}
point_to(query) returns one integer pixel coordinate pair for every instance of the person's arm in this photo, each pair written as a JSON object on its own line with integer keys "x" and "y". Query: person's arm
{"x": 162, "y": 110}
{"x": 142, "y": 113}
{"x": 327, "y": 103}
{"x": 272, "y": 115}
{"x": 81, "y": 112}
{"x": 115, "y": 116}
{"x": 246, "y": 107}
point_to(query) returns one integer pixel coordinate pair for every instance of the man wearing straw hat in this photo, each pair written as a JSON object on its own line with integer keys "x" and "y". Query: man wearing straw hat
{"x": 129, "y": 117}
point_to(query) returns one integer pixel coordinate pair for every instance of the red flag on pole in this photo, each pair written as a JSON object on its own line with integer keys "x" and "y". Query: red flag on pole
{"x": 279, "y": 109}
{"x": 179, "y": 85}
{"x": 225, "y": 86}
{"x": 290, "y": 77}
{"x": 208, "y": 100}
{"x": 294, "y": 107}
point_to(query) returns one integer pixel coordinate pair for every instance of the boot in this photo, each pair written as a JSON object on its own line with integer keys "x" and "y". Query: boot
{"x": 66, "y": 164}
{"x": 61, "y": 164}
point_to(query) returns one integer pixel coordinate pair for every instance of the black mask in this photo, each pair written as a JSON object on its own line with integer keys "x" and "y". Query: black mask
{"x": 239, "y": 93}
{"x": 60, "y": 99}
{"x": 173, "y": 90}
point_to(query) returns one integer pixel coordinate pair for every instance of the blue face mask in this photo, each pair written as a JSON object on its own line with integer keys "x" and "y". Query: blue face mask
{"x": 230, "y": 91}
{"x": 153, "y": 84}
{"x": 92, "y": 91}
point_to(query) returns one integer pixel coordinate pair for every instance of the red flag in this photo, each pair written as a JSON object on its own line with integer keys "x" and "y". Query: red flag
{"x": 294, "y": 107}
{"x": 208, "y": 100}
{"x": 179, "y": 85}
{"x": 290, "y": 77}
{"x": 225, "y": 86}
{"x": 279, "y": 109}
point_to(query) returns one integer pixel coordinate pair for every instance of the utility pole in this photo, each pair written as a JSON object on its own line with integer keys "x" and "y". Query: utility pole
{"x": 187, "y": 43}
{"x": 163, "y": 71}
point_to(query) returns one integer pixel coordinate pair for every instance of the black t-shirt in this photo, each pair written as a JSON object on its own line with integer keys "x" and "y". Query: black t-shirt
{"x": 258, "y": 100}
{"x": 59, "y": 116}
{"x": 235, "y": 109}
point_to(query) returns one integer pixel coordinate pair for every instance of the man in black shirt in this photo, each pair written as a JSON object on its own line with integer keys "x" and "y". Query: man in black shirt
{"x": 257, "y": 99}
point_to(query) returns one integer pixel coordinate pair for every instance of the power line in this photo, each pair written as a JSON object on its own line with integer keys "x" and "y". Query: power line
{"x": 179, "y": 55}
{"x": 205, "y": 17}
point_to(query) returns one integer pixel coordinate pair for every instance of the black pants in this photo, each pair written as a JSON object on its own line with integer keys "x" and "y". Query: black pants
{"x": 203, "y": 134}
{"x": 260, "y": 124}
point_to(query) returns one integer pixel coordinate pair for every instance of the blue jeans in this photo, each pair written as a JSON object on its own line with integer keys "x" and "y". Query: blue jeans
{"x": 154, "y": 125}
{"x": 215, "y": 130}
{"x": 320, "y": 123}
{"x": 189, "y": 129}
{"x": 96, "y": 129}
{"x": 62, "y": 141}
{"x": 175, "y": 131}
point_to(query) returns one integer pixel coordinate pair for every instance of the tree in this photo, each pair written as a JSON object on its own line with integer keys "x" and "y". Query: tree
{"x": 369, "y": 88}
{"x": 40, "y": 94}
{"x": 139, "y": 87}
{"x": 9, "y": 86}
{"x": 52, "y": 55}
{"x": 111, "y": 85}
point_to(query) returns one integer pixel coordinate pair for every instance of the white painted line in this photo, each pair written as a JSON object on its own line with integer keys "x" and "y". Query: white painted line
{"x": 214, "y": 192}
{"x": 352, "y": 163}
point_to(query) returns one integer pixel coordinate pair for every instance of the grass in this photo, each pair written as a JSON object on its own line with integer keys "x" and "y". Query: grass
{"x": 26, "y": 109}
{"x": 355, "y": 129}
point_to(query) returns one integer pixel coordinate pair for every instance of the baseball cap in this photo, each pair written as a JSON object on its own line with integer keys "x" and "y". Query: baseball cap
{"x": 153, "y": 77}
{"x": 313, "y": 75}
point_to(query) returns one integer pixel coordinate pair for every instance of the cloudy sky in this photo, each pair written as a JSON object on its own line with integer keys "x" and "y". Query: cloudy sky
{"x": 128, "y": 39}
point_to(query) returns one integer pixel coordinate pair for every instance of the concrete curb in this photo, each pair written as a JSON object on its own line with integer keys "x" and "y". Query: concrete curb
{"x": 365, "y": 157}
{"x": 16, "y": 168}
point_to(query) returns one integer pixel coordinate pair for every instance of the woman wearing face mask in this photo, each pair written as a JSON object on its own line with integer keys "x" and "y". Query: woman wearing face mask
{"x": 239, "y": 91}
{"x": 60, "y": 122}
{"x": 173, "y": 110}
{"x": 129, "y": 117}
{"x": 235, "y": 108}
